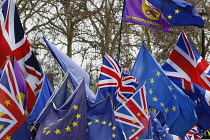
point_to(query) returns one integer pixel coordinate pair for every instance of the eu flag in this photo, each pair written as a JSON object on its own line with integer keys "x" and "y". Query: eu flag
{"x": 178, "y": 12}
{"x": 67, "y": 122}
{"x": 101, "y": 122}
{"x": 163, "y": 95}
{"x": 60, "y": 96}
{"x": 158, "y": 131}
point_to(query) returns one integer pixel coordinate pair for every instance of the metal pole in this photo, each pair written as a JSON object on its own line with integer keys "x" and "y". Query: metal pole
{"x": 119, "y": 45}
{"x": 203, "y": 44}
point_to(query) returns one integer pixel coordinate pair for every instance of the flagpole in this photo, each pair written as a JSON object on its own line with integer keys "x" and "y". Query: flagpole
{"x": 119, "y": 45}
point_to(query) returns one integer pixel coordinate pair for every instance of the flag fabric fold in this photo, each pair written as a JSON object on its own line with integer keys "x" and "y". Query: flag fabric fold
{"x": 164, "y": 95}
{"x": 67, "y": 121}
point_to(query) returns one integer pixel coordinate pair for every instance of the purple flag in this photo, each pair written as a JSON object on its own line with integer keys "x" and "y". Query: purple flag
{"x": 142, "y": 12}
{"x": 21, "y": 84}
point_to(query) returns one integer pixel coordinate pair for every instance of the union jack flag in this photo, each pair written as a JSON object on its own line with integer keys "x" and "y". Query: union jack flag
{"x": 133, "y": 115}
{"x": 115, "y": 81}
{"x": 186, "y": 64}
{"x": 14, "y": 43}
{"x": 193, "y": 134}
{"x": 12, "y": 118}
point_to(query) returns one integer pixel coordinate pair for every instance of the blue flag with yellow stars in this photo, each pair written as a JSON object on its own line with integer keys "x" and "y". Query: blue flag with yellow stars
{"x": 159, "y": 132}
{"x": 101, "y": 122}
{"x": 163, "y": 95}
{"x": 178, "y": 12}
{"x": 67, "y": 122}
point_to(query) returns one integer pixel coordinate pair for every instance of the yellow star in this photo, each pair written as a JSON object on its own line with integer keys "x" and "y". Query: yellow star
{"x": 136, "y": 138}
{"x": 48, "y": 132}
{"x": 60, "y": 119}
{"x": 75, "y": 124}
{"x": 45, "y": 128}
{"x": 114, "y": 135}
{"x": 75, "y": 107}
{"x": 69, "y": 84}
{"x": 113, "y": 128}
{"x": 133, "y": 130}
{"x": 162, "y": 104}
{"x": 175, "y": 97}
{"x": 1, "y": 127}
{"x": 78, "y": 116}
{"x": 154, "y": 99}
{"x": 26, "y": 112}
{"x": 174, "y": 108}
{"x": 7, "y": 102}
{"x": 103, "y": 122}
{"x": 166, "y": 110}
{"x": 169, "y": 17}
{"x": 170, "y": 87}
{"x": 17, "y": 97}
{"x": 68, "y": 129}
{"x": 164, "y": 135}
{"x": 51, "y": 124}
{"x": 57, "y": 131}
{"x": 150, "y": 91}
{"x": 70, "y": 87}
{"x": 44, "y": 131}
{"x": 110, "y": 124}
{"x": 158, "y": 73}
{"x": 155, "y": 120}
{"x": 8, "y": 138}
{"x": 1, "y": 114}
{"x": 96, "y": 120}
{"x": 138, "y": 114}
{"x": 133, "y": 121}
{"x": 152, "y": 80}
{"x": 177, "y": 11}
{"x": 90, "y": 123}
{"x": 146, "y": 111}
